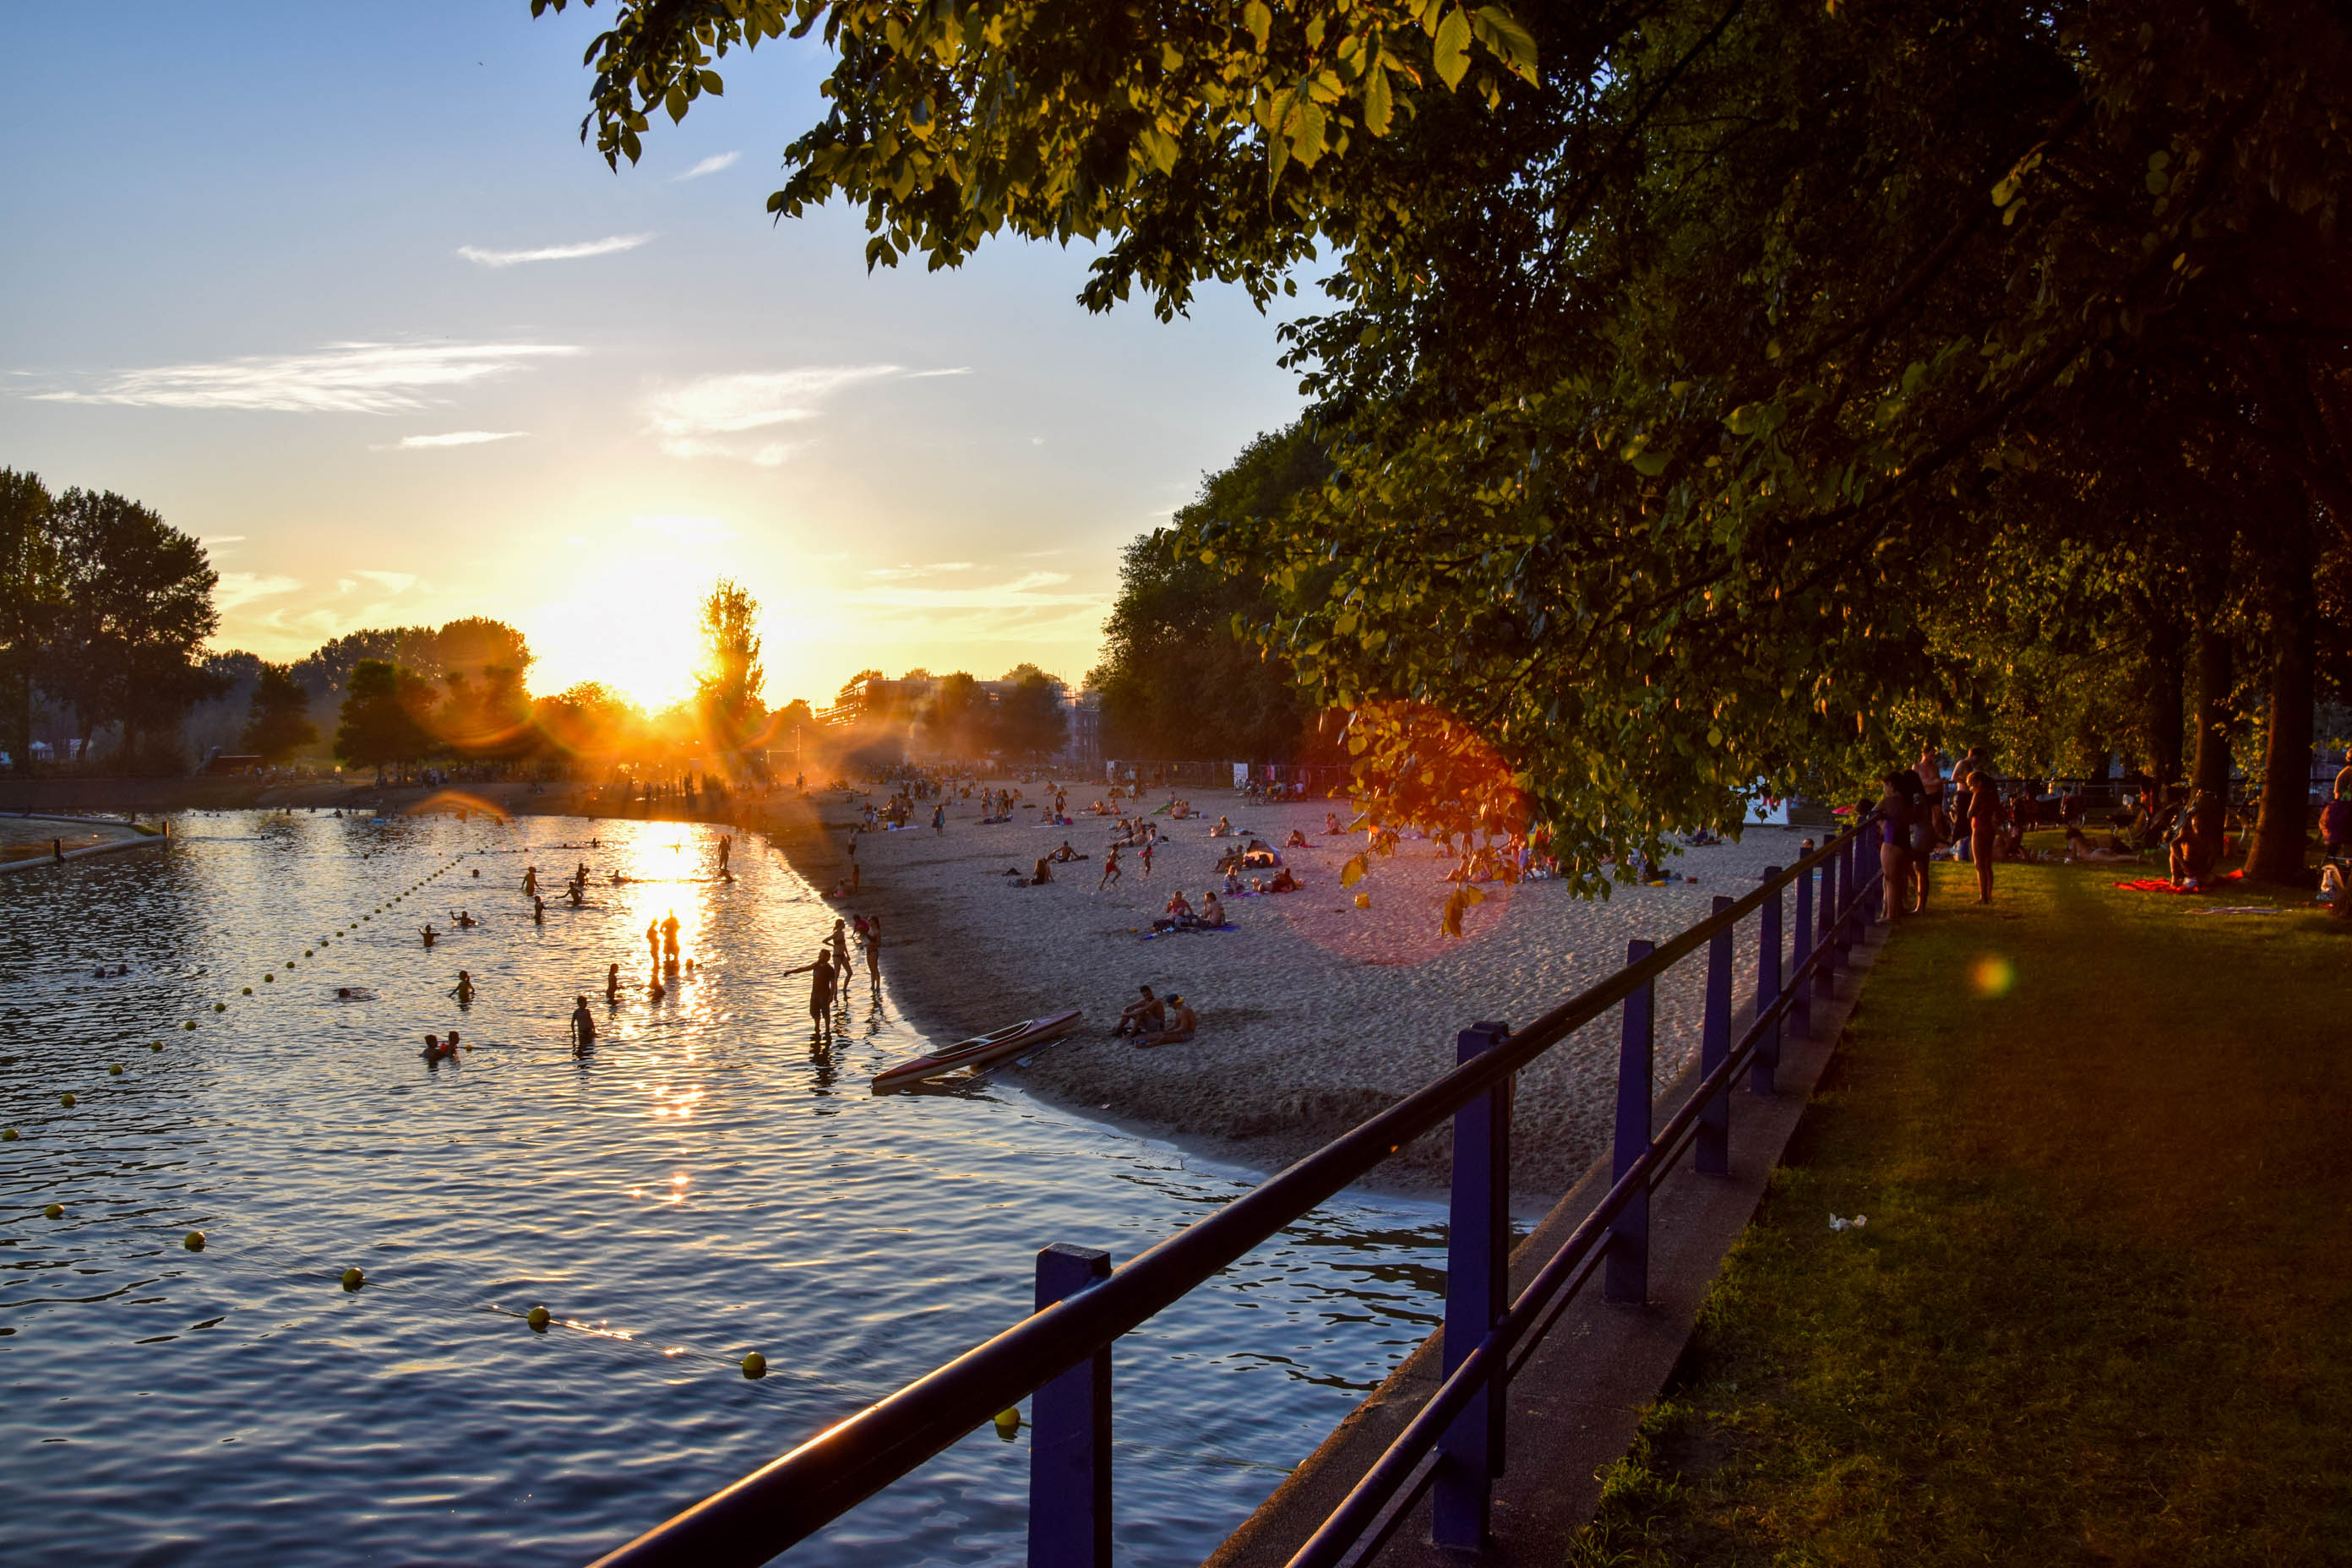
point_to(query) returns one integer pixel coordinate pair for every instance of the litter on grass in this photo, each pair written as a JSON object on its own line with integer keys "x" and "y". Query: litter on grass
{"x": 1856, "y": 1222}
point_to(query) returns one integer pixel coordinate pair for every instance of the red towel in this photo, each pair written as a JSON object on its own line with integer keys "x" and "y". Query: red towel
{"x": 2158, "y": 885}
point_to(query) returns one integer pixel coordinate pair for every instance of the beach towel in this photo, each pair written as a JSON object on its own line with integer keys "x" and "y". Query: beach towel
{"x": 2158, "y": 885}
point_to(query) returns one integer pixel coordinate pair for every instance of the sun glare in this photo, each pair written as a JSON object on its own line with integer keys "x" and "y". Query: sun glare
{"x": 632, "y": 625}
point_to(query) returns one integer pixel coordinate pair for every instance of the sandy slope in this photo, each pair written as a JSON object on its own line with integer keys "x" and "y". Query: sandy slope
{"x": 1314, "y": 1014}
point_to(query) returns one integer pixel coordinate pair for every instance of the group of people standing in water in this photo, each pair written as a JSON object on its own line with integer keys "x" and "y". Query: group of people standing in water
{"x": 829, "y": 972}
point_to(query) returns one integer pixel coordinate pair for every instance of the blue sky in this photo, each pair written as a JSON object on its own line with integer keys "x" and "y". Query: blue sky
{"x": 281, "y": 272}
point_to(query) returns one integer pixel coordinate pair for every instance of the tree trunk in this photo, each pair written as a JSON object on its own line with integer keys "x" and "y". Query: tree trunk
{"x": 2215, "y": 676}
{"x": 2282, "y": 833}
{"x": 2164, "y": 699}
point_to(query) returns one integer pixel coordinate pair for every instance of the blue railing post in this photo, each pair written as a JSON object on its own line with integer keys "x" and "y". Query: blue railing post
{"x": 1768, "y": 989}
{"x": 1825, "y": 984}
{"x": 1477, "y": 1255}
{"x": 1070, "y": 1444}
{"x": 1627, "y": 1276}
{"x": 1712, "y": 1151}
{"x": 1801, "y": 1006}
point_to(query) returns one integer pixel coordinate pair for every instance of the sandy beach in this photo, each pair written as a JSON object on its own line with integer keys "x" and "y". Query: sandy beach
{"x": 1314, "y": 1014}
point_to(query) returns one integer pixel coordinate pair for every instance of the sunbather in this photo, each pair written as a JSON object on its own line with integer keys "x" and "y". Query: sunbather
{"x": 1212, "y": 913}
{"x": 1181, "y": 1022}
{"x": 1147, "y": 1016}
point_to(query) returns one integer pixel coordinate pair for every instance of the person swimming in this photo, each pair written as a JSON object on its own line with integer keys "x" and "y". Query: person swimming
{"x": 613, "y": 985}
{"x": 584, "y": 1027}
{"x": 466, "y": 920}
{"x": 429, "y": 934}
{"x": 434, "y": 1048}
{"x": 537, "y": 910}
{"x": 463, "y": 989}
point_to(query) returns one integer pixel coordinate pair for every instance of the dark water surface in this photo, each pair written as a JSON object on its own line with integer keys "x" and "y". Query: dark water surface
{"x": 706, "y": 1184}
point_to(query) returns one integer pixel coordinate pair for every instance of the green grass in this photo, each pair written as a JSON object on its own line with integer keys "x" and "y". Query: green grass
{"x": 2102, "y": 1310}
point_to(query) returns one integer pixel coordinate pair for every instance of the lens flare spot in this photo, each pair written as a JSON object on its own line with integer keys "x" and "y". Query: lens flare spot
{"x": 1992, "y": 976}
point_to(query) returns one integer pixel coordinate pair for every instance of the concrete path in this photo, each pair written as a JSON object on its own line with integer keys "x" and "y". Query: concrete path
{"x": 1575, "y": 1405}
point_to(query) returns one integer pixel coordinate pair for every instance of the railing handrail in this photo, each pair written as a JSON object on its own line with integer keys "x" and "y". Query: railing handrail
{"x": 793, "y": 1496}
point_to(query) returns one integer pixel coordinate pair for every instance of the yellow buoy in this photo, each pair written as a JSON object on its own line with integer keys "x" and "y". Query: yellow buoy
{"x": 193, "y": 1241}
{"x": 537, "y": 1318}
{"x": 217, "y": 1007}
{"x": 248, "y": 991}
{"x": 353, "y": 1279}
{"x": 192, "y": 1022}
{"x": 1008, "y": 1422}
{"x": 7, "y": 1135}
{"x": 154, "y": 1044}
{"x": 114, "y": 1071}
{"x": 269, "y": 980}
{"x": 755, "y": 1366}
{"x": 55, "y": 1211}
{"x": 67, "y": 1100}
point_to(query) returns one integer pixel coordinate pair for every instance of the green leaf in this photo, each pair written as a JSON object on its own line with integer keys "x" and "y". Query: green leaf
{"x": 1259, "y": 21}
{"x": 1380, "y": 107}
{"x": 712, "y": 85}
{"x": 1158, "y": 146}
{"x": 1501, "y": 32}
{"x": 1650, "y": 464}
{"x": 1353, "y": 871}
{"x": 1453, "y": 47}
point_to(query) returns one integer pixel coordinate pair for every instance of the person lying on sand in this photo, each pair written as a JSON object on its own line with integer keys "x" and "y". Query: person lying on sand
{"x": 1182, "y": 1022}
{"x": 1147, "y": 1016}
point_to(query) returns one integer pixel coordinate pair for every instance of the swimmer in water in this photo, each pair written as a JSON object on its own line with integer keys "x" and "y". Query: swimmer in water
{"x": 530, "y": 881}
{"x": 428, "y": 933}
{"x": 467, "y": 919}
{"x": 537, "y": 910}
{"x": 434, "y": 1048}
{"x": 584, "y": 1027}
{"x": 578, "y": 893}
{"x": 463, "y": 989}
{"x": 613, "y": 985}
{"x": 453, "y": 1043}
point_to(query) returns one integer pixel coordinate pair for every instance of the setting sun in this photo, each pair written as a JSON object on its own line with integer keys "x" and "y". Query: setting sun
{"x": 629, "y": 622}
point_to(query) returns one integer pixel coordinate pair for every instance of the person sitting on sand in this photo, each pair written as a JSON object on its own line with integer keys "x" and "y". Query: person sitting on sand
{"x": 1224, "y": 829}
{"x": 1042, "y": 874}
{"x": 1179, "y": 908}
{"x": 1233, "y": 878}
{"x": 1297, "y": 840}
{"x": 1213, "y": 912}
{"x": 1181, "y": 1020}
{"x": 1331, "y": 824}
{"x": 1147, "y": 1016}
{"x": 1284, "y": 882}
{"x": 1064, "y": 854}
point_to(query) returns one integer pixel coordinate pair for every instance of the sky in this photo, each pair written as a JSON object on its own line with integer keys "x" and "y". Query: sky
{"x": 338, "y": 290}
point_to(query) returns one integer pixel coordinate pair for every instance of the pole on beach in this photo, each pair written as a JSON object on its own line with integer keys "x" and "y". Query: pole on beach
{"x": 1712, "y": 1151}
{"x": 1478, "y": 1251}
{"x": 1626, "y": 1278}
{"x": 1069, "y": 1450}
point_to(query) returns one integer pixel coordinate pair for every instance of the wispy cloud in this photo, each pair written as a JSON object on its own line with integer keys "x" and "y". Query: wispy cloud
{"x": 341, "y": 378}
{"x": 1024, "y": 593}
{"x": 927, "y": 374}
{"x": 456, "y": 439}
{"x": 709, "y": 165}
{"x": 904, "y": 569}
{"x": 390, "y": 582}
{"x": 695, "y": 418}
{"x": 605, "y": 247}
{"x": 236, "y": 588}
{"x": 215, "y": 540}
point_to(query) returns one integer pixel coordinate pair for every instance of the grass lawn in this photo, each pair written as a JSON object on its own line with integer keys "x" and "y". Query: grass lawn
{"x": 2102, "y": 1308}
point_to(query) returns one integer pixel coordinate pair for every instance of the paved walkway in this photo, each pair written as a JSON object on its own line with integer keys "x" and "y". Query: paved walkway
{"x": 1575, "y": 1405}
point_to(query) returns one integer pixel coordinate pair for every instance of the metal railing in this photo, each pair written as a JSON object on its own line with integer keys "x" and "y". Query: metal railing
{"x": 1061, "y": 1354}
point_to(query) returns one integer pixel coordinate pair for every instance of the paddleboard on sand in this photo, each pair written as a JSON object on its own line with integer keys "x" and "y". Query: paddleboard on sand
{"x": 978, "y": 1053}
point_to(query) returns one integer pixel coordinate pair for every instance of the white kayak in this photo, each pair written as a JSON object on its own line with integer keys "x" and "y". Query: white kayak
{"x": 980, "y": 1052}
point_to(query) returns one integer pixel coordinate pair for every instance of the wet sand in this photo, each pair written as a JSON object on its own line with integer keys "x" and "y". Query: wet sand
{"x": 1314, "y": 1014}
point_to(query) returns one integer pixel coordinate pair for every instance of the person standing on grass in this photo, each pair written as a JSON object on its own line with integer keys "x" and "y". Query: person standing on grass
{"x": 1984, "y": 828}
{"x": 1894, "y": 848}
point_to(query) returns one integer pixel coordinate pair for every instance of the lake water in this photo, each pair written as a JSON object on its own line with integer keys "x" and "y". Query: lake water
{"x": 705, "y": 1184}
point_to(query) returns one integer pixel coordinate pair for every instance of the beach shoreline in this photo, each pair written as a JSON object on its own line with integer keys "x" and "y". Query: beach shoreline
{"x": 1315, "y": 1014}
